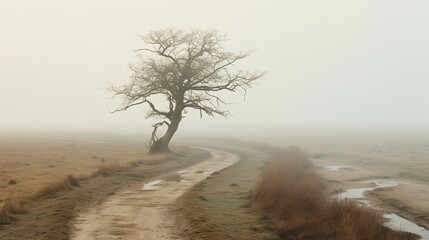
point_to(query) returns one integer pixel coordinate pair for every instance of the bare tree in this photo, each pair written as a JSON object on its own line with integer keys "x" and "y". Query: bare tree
{"x": 188, "y": 69}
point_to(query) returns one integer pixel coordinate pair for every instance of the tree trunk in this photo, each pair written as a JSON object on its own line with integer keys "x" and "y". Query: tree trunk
{"x": 161, "y": 145}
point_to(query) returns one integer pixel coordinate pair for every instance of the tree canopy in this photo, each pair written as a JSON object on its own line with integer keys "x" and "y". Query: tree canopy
{"x": 187, "y": 69}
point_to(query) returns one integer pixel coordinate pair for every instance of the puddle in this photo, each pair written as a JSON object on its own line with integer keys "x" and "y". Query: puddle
{"x": 357, "y": 193}
{"x": 400, "y": 223}
{"x": 153, "y": 185}
{"x": 394, "y": 221}
{"x": 334, "y": 167}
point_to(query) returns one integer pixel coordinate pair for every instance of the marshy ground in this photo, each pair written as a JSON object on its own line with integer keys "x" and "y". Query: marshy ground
{"x": 218, "y": 207}
{"x": 404, "y": 161}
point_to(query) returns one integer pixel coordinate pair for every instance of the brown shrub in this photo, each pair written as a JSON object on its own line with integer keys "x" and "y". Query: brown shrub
{"x": 292, "y": 195}
{"x": 108, "y": 170}
{"x": 284, "y": 180}
{"x": 19, "y": 205}
{"x": 12, "y": 182}
{"x": 5, "y": 218}
{"x": 14, "y": 206}
{"x": 55, "y": 187}
{"x": 73, "y": 180}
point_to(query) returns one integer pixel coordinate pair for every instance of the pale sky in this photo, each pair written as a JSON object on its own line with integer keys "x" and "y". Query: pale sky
{"x": 330, "y": 64}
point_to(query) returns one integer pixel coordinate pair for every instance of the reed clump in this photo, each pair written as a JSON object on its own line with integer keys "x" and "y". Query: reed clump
{"x": 108, "y": 170}
{"x": 291, "y": 195}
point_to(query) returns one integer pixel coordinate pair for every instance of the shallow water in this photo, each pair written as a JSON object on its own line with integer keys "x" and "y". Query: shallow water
{"x": 394, "y": 221}
{"x": 357, "y": 193}
{"x": 152, "y": 185}
{"x": 400, "y": 223}
{"x": 334, "y": 167}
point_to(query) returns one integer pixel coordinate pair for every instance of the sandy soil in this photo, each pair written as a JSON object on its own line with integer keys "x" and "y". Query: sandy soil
{"x": 144, "y": 214}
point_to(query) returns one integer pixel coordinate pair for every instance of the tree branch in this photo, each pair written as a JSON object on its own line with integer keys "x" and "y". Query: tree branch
{"x": 187, "y": 69}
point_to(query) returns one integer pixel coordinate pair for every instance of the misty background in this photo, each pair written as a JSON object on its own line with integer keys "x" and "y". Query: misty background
{"x": 330, "y": 64}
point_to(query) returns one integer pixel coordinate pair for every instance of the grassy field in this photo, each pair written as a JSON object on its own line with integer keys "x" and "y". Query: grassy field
{"x": 56, "y": 199}
{"x": 28, "y": 163}
{"x": 45, "y": 182}
{"x": 396, "y": 156}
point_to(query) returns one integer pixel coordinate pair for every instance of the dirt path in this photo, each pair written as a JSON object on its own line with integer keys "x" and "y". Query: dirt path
{"x": 142, "y": 211}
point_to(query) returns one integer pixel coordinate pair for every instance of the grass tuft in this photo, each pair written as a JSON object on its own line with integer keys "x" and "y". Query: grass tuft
{"x": 66, "y": 184}
{"x": 73, "y": 181}
{"x": 12, "y": 182}
{"x": 6, "y": 218}
{"x": 19, "y": 205}
{"x": 108, "y": 170}
{"x": 22, "y": 205}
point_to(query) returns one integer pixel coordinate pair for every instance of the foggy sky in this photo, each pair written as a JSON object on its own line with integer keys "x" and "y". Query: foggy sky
{"x": 330, "y": 64}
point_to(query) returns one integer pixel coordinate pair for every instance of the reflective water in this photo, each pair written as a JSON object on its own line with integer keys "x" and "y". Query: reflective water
{"x": 357, "y": 193}
{"x": 334, "y": 167}
{"x": 153, "y": 185}
{"x": 394, "y": 221}
{"x": 400, "y": 223}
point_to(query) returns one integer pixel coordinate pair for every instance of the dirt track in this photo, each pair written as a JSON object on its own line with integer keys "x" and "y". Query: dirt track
{"x": 135, "y": 213}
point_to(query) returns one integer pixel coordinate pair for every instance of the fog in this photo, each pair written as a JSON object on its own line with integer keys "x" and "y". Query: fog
{"x": 330, "y": 64}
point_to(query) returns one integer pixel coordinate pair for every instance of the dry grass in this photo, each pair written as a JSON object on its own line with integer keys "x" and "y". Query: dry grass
{"x": 292, "y": 195}
{"x": 35, "y": 162}
{"x": 112, "y": 168}
{"x": 12, "y": 182}
{"x": 108, "y": 170}
{"x": 22, "y": 205}
{"x": 51, "y": 217}
{"x": 30, "y": 167}
{"x": 64, "y": 185}
{"x": 17, "y": 204}
{"x": 173, "y": 177}
{"x": 157, "y": 158}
